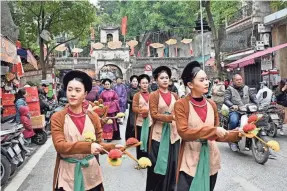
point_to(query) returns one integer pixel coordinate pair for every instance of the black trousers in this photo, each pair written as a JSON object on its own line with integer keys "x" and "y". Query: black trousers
{"x": 184, "y": 181}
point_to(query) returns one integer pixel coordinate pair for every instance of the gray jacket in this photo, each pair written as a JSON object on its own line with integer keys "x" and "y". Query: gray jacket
{"x": 239, "y": 96}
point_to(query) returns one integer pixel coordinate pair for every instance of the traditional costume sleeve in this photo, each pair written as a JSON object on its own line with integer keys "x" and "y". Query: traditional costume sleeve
{"x": 98, "y": 129}
{"x": 129, "y": 100}
{"x": 181, "y": 110}
{"x": 136, "y": 108}
{"x": 153, "y": 106}
{"x": 232, "y": 136}
{"x": 60, "y": 143}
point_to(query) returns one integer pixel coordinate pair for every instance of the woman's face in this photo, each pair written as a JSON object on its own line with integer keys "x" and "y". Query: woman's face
{"x": 107, "y": 85}
{"x": 200, "y": 83}
{"x": 163, "y": 80}
{"x": 76, "y": 93}
{"x": 144, "y": 84}
{"x": 135, "y": 83}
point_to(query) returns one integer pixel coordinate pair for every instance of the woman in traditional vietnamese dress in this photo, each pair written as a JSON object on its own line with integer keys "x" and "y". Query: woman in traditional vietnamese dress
{"x": 76, "y": 167}
{"x": 198, "y": 125}
{"x": 110, "y": 98}
{"x": 143, "y": 119}
{"x": 164, "y": 140}
{"x": 130, "y": 128}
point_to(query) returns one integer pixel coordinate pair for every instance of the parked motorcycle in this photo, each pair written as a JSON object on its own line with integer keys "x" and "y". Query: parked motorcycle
{"x": 52, "y": 109}
{"x": 259, "y": 151}
{"x": 12, "y": 149}
{"x": 273, "y": 122}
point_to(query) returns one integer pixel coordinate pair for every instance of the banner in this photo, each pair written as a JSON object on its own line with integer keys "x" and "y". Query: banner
{"x": 31, "y": 59}
{"x": 124, "y": 25}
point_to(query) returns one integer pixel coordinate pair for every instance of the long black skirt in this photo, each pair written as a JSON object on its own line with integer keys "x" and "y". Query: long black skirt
{"x": 184, "y": 181}
{"x": 97, "y": 188}
{"x": 157, "y": 182}
{"x": 130, "y": 128}
{"x": 141, "y": 153}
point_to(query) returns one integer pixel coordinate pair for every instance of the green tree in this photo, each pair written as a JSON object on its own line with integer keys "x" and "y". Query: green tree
{"x": 217, "y": 13}
{"x": 72, "y": 18}
{"x": 168, "y": 18}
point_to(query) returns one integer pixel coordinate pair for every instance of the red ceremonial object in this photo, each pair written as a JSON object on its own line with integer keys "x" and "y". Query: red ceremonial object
{"x": 9, "y": 110}
{"x": 32, "y": 94}
{"x": 252, "y": 118}
{"x": 249, "y": 127}
{"x": 8, "y": 99}
{"x": 132, "y": 141}
{"x": 124, "y": 25}
{"x": 115, "y": 154}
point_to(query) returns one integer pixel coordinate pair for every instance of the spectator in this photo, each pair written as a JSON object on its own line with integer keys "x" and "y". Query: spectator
{"x": 20, "y": 101}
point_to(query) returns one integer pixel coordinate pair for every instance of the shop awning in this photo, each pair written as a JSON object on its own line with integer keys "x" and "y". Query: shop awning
{"x": 210, "y": 62}
{"x": 250, "y": 59}
{"x": 8, "y": 51}
{"x": 200, "y": 58}
{"x": 270, "y": 72}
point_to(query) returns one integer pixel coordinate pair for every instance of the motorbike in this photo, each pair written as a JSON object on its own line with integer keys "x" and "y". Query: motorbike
{"x": 12, "y": 149}
{"x": 52, "y": 109}
{"x": 273, "y": 121}
{"x": 259, "y": 151}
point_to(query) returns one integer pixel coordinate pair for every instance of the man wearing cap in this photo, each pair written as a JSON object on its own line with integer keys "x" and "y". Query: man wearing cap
{"x": 120, "y": 89}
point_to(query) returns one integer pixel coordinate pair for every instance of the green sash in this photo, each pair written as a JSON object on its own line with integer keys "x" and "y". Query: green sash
{"x": 79, "y": 184}
{"x": 144, "y": 134}
{"x": 201, "y": 181}
{"x": 163, "y": 152}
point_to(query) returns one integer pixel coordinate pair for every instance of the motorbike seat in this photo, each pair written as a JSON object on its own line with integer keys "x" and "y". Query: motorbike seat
{"x": 8, "y": 118}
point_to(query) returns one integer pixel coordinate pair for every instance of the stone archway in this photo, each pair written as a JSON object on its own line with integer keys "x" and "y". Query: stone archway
{"x": 110, "y": 71}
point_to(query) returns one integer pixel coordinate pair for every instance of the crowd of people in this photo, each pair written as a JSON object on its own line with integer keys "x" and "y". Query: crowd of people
{"x": 175, "y": 121}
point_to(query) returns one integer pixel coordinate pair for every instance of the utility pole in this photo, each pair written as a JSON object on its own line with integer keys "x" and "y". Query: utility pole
{"x": 202, "y": 48}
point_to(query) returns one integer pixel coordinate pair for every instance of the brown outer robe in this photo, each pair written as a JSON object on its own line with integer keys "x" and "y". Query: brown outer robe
{"x": 153, "y": 107}
{"x": 181, "y": 109}
{"x": 64, "y": 147}
{"x": 137, "y": 110}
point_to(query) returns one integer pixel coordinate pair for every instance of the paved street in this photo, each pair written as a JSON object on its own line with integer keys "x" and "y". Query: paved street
{"x": 239, "y": 172}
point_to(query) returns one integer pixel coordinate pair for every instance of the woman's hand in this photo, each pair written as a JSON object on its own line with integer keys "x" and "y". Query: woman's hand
{"x": 221, "y": 132}
{"x": 96, "y": 148}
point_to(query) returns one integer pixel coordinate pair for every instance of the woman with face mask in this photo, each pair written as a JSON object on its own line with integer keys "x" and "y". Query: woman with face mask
{"x": 130, "y": 128}
{"x": 111, "y": 99}
{"x": 164, "y": 140}
{"x": 143, "y": 119}
{"x": 198, "y": 125}
{"x": 76, "y": 166}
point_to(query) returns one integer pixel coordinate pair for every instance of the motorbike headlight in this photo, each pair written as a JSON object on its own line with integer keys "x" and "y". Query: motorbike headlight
{"x": 252, "y": 108}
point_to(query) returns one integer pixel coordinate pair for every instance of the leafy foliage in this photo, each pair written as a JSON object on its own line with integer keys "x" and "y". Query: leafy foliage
{"x": 72, "y": 18}
{"x": 143, "y": 16}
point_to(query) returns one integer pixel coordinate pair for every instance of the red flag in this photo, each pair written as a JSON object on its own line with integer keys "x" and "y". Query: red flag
{"x": 124, "y": 25}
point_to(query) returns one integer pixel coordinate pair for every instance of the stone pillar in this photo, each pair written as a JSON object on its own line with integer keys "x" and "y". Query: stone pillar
{"x": 260, "y": 9}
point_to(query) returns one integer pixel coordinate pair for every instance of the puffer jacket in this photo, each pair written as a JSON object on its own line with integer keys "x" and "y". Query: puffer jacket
{"x": 228, "y": 95}
{"x": 20, "y": 102}
{"x": 26, "y": 122}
